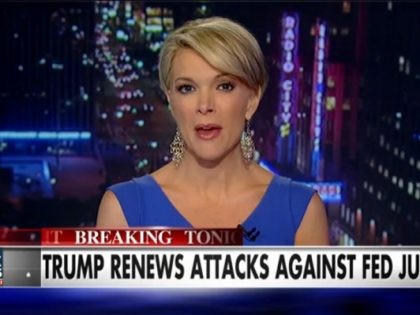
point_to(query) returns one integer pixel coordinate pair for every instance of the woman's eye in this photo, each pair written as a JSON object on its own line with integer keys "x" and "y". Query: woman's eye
{"x": 185, "y": 88}
{"x": 227, "y": 87}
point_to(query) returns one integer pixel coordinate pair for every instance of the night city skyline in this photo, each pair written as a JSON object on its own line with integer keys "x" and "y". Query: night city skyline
{"x": 81, "y": 107}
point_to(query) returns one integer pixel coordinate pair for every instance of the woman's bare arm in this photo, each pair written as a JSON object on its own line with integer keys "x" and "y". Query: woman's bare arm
{"x": 313, "y": 229}
{"x": 110, "y": 214}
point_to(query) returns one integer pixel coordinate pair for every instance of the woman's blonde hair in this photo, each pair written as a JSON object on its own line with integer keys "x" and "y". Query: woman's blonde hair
{"x": 224, "y": 44}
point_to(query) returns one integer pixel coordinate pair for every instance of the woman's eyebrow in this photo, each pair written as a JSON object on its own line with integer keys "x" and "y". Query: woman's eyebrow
{"x": 221, "y": 75}
{"x": 184, "y": 79}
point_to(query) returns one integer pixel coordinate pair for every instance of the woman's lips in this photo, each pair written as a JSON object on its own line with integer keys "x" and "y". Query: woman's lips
{"x": 208, "y": 131}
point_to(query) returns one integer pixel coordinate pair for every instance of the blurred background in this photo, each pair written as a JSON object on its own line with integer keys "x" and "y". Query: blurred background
{"x": 81, "y": 107}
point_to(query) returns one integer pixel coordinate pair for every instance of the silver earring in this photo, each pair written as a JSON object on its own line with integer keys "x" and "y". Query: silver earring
{"x": 247, "y": 144}
{"x": 177, "y": 148}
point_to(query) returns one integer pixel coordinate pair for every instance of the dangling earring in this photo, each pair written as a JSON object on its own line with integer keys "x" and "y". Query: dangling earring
{"x": 177, "y": 148}
{"x": 247, "y": 144}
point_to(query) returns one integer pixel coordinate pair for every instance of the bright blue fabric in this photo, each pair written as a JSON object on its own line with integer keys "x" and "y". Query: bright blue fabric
{"x": 277, "y": 216}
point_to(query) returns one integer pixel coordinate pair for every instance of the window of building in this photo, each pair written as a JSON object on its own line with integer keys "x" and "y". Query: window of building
{"x": 389, "y": 5}
{"x": 401, "y": 61}
{"x": 417, "y": 195}
{"x": 381, "y": 140}
{"x": 393, "y": 206}
{"x": 410, "y": 188}
{"x": 354, "y": 192}
{"x": 345, "y": 239}
{"x": 379, "y": 195}
{"x": 371, "y": 189}
{"x": 312, "y": 32}
{"x": 387, "y": 146}
{"x": 343, "y": 211}
{"x": 386, "y": 173}
{"x": 407, "y": 67}
{"x": 346, "y": 7}
{"x": 347, "y": 215}
{"x": 418, "y": 164}
{"x": 384, "y": 237}
{"x": 397, "y": 125}
{"x": 268, "y": 38}
{"x": 380, "y": 169}
{"x": 372, "y": 224}
{"x": 401, "y": 183}
{"x": 411, "y": 161}
{"x": 402, "y": 155}
{"x": 345, "y": 31}
{"x": 396, "y": 151}
{"x": 394, "y": 179}
{"x": 365, "y": 185}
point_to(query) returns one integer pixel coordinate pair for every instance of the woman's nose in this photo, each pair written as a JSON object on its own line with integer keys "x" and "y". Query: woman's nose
{"x": 205, "y": 103}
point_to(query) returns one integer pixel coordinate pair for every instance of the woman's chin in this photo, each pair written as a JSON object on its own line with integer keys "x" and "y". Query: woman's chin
{"x": 208, "y": 160}
{"x": 211, "y": 159}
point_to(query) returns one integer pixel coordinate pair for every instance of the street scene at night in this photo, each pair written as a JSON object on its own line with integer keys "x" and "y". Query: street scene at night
{"x": 81, "y": 107}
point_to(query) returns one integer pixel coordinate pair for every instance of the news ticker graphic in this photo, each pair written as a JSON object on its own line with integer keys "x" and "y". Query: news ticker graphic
{"x": 212, "y": 267}
{"x": 125, "y": 237}
{"x": 143, "y": 237}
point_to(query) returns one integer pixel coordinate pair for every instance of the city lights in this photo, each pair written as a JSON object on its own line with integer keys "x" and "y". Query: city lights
{"x": 340, "y": 113}
{"x": 45, "y": 135}
{"x": 318, "y": 98}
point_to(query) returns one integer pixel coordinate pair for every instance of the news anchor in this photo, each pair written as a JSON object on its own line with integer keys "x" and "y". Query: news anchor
{"x": 213, "y": 74}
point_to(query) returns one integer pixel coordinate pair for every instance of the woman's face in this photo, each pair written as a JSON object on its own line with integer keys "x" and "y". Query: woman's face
{"x": 210, "y": 107}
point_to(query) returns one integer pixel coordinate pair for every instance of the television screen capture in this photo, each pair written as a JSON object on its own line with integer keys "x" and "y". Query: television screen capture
{"x": 140, "y": 139}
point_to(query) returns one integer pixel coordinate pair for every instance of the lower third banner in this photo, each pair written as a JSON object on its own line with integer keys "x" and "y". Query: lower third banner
{"x": 238, "y": 267}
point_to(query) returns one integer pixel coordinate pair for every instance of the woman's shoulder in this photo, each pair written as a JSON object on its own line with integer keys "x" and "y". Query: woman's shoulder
{"x": 136, "y": 197}
{"x": 120, "y": 204}
{"x": 296, "y": 189}
{"x": 163, "y": 175}
{"x": 130, "y": 190}
{"x": 295, "y": 196}
{"x": 130, "y": 184}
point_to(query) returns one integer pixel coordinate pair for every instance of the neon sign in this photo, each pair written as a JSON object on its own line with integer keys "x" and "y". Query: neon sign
{"x": 318, "y": 93}
{"x": 328, "y": 191}
{"x": 318, "y": 85}
{"x": 288, "y": 87}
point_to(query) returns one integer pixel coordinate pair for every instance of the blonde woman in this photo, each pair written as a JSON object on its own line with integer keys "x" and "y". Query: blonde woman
{"x": 212, "y": 72}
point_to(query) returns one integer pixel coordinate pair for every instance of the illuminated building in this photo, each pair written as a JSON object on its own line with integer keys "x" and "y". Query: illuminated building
{"x": 329, "y": 101}
{"x": 47, "y": 67}
{"x": 318, "y": 117}
{"x": 47, "y": 100}
{"x": 386, "y": 196}
{"x": 285, "y": 120}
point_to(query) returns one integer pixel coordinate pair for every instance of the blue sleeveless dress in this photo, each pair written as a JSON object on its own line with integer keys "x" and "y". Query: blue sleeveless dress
{"x": 277, "y": 216}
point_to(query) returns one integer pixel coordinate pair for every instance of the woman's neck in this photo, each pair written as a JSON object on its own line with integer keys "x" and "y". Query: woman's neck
{"x": 226, "y": 175}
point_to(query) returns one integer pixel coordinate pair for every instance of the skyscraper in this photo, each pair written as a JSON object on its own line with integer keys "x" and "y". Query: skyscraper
{"x": 386, "y": 198}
